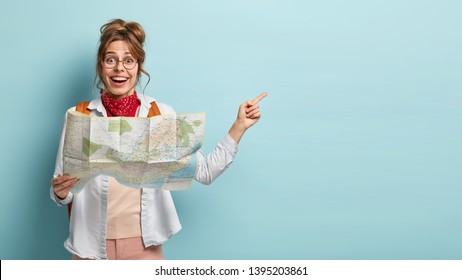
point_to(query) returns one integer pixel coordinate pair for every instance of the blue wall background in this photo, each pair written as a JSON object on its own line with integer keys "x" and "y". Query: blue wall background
{"x": 357, "y": 155}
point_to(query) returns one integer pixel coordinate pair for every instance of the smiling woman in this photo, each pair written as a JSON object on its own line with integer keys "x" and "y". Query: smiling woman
{"x": 107, "y": 215}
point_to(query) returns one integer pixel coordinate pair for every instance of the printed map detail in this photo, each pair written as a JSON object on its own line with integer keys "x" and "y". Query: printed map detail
{"x": 157, "y": 152}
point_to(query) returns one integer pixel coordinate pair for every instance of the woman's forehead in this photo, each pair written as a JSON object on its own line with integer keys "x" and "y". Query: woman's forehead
{"x": 118, "y": 47}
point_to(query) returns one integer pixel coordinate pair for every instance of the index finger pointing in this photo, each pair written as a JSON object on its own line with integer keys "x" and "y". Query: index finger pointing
{"x": 260, "y": 97}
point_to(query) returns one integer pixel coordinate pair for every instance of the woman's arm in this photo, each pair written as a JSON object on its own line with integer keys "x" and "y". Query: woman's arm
{"x": 215, "y": 163}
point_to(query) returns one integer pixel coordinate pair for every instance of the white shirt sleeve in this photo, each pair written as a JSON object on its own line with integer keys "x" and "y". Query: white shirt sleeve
{"x": 215, "y": 163}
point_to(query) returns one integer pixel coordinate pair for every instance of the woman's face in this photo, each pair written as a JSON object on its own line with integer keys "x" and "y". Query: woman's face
{"x": 119, "y": 79}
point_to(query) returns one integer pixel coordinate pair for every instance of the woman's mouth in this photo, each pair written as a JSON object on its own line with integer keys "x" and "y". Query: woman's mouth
{"x": 119, "y": 81}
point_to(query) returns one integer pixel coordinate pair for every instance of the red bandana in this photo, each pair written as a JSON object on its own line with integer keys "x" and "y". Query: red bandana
{"x": 124, "y": 107}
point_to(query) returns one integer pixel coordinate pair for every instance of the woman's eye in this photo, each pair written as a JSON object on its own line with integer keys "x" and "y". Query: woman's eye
{"x": 110, "y": 60}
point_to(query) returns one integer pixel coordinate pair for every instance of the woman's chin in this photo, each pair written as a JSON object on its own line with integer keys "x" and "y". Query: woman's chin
{"x": 119, "y": 93}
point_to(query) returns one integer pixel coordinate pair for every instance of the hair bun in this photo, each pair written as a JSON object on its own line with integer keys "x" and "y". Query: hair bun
{"x": 136, "y": 29}
{"x": 124, "y": 28}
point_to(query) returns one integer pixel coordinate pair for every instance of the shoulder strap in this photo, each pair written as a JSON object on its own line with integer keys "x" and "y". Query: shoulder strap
{"x": 82, "y": 107}
{"x": 154, "y": 110}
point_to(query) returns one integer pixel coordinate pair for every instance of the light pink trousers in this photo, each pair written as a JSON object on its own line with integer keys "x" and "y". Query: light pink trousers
{"x": 129, "y": 249}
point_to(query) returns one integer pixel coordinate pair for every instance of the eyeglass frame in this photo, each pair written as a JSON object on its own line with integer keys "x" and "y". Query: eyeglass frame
{"x": 117, "y": 62}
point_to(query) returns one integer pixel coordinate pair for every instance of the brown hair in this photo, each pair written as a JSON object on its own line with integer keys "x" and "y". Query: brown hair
{"x": 120, "y": 30}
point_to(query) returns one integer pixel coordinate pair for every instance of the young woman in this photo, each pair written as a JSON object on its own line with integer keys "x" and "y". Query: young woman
{"x": 110, "y": 220}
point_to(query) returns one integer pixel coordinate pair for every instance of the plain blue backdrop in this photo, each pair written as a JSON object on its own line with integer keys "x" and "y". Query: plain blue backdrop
{"x": 357, "y": 154}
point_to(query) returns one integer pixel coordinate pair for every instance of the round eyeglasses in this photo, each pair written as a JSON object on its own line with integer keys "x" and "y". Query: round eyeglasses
{"x": 128, "y": 62}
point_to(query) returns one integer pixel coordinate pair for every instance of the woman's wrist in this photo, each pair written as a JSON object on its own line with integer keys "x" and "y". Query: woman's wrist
{"x": 59, "y": 197}
{"x": 237, "y": 130}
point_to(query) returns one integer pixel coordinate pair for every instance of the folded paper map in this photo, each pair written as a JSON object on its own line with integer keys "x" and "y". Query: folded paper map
{"x": 157, "y": 152}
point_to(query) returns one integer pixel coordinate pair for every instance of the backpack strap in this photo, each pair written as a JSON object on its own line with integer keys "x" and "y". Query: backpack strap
{"x": 82, "y": 107}
{"x": 154, "y": 110}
